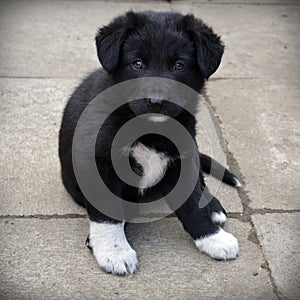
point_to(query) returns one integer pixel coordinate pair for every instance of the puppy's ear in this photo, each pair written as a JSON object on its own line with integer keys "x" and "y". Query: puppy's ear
{"x": 110, "y": 38}
{"x": 208, "y": 45}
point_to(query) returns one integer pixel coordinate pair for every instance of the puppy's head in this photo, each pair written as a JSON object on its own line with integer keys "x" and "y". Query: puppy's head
{"x": 152, "y": 44}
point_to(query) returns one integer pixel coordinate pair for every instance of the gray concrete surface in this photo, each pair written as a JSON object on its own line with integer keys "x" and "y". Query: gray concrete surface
{"x": 55, "y": 38}
{"x": 261, "y": 123}
{"x": 52, "y": 262}
{"x": 284, "y": 231}
{"x": 30, "y": 178}
{"x": 45, "y": 48}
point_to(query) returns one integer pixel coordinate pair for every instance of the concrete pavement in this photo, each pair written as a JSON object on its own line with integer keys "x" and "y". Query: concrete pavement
{"x": 45, "y": 48}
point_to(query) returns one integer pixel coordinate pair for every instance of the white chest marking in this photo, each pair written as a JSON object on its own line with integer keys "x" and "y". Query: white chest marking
{"x": 154, "y": 165}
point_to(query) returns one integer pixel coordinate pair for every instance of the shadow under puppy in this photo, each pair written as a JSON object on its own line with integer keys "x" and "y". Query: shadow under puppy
{"x": 136, "y": 45}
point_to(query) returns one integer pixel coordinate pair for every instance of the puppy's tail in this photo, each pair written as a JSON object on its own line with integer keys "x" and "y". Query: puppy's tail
{"x": 218, "y": 171}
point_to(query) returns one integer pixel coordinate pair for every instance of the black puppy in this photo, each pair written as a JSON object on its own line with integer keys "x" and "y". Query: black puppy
{"x": 136, "y": 45}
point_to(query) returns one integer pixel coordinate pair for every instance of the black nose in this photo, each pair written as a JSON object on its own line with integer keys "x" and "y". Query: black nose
{"x": 156, "y": 105}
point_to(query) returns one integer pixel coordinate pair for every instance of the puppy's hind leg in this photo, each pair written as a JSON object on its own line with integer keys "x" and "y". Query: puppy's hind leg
{"x": 73, "y": 189}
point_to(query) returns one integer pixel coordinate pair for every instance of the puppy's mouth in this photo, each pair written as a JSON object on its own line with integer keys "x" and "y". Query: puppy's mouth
{"x": 155, "y": 109}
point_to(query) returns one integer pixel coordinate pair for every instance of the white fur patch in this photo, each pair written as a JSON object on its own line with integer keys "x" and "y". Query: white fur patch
{"x": 154, "y": 165}
{"x": 111, "y": 248}
{"x": 221, "y": 245}
{"x": 218, "y": 217}
{"x": 158, "y": 119}
{"x": 237, "y": 182}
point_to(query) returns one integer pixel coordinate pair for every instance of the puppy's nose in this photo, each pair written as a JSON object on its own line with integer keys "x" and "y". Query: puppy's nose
{"x": 156, "y": 105}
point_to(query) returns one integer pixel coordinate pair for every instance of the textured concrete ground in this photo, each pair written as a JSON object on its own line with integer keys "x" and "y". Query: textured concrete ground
{"x": 45, "y": 48}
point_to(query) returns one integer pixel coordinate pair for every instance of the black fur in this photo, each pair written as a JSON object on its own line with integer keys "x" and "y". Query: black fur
{"x": 159, "y": 39}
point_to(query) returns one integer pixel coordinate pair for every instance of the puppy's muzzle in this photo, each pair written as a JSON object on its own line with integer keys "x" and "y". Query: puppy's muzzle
{"x": 156, "y": 105}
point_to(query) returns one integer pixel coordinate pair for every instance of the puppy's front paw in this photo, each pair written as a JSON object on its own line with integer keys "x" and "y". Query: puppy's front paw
{"x": 111, "y": 248}
{"x": 220, "y": 245}
{"x": 118, "y": 260}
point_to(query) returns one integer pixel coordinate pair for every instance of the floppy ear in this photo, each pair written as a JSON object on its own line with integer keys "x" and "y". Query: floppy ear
{"x": 110, "y": 38}
{"x": 208, "y": 45}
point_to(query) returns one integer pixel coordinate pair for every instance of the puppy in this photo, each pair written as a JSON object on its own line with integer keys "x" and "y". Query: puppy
{"x": 138, "y": 45}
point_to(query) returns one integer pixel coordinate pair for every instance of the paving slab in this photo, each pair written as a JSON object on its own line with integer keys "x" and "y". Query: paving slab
{"x": 55, "y": 38}
{"x": 47, "y": 259}
{"x": 279, "y": 235}
{"x": 260, "y": 40}
{"x": 30, "y": 116}
{"x": 211, "y": 142}
{"x": 261, "y": 123}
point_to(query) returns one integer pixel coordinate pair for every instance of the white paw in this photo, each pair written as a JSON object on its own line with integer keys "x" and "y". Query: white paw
{"x": 221, "y": 245}
{"x": 111, "y": 248}
{"x": 118, "y": 261}
{"x": 218, "y": 217}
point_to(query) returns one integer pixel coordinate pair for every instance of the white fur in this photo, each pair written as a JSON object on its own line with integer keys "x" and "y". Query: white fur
{"x": 111, "y": 248}
{"x": 218, "y": 217}
{"x": 158, "y": 119}
{"x": 154, "y": 165}
{"x": 237, "y": 182}
{"x": 221, "y": 245}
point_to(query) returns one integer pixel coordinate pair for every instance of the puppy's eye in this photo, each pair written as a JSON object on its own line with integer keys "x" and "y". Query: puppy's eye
{"x": 137, "y": 64}
{"x": 179, "y": 66}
